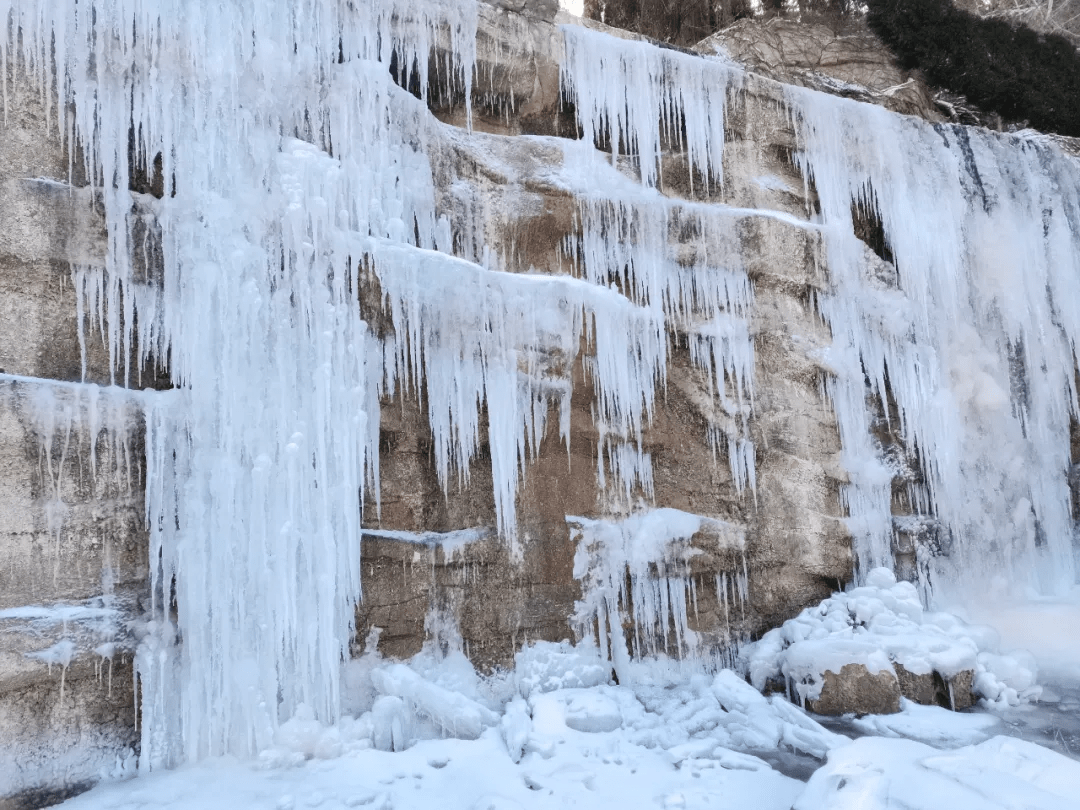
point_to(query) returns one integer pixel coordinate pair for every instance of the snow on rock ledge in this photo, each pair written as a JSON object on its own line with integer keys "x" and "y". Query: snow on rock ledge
{"x": 829, "y": 653}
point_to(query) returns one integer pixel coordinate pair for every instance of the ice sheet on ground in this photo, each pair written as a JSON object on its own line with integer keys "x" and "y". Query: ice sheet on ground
{"x": 538, "y": 744}
{"x": 932, "y": 725}
{"x": 669, "y": 737}
{"x": 875, "y": 773}
{"x": 456, "y": 775}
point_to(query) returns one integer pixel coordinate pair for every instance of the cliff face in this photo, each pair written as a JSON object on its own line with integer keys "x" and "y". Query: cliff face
{"x": 511, "y": 189}
{"x": 73, "y": 515}
{"x": 500, "y": 506}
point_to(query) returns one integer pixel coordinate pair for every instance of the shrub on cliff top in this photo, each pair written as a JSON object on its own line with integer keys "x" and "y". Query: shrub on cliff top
{"x": 1014, "y": 71}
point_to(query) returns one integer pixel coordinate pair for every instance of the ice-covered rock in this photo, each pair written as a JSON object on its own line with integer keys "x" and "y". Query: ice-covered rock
{"x": 856, "y": 689}
{"x": 545, "y": 666}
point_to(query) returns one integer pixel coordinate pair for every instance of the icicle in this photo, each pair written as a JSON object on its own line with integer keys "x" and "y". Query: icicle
{"x": 636, "y": 243}
{"x": 651, "y": 550}
{"x": 256, "y": 467}
{"x": 636, "y": 96}
{"x": 475, "y": 335}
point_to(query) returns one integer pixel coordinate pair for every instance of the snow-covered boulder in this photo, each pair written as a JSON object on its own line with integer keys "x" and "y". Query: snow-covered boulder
{"x": 861, "y": 650}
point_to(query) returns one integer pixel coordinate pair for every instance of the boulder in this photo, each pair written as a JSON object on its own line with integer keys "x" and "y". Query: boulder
{"x": 857, "y": 690}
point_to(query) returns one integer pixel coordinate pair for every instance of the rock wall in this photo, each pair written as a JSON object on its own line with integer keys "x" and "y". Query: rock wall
{"x": 71, "y": 524}
{"x": 797, "y": 547}
{"x": 71, "y": 490}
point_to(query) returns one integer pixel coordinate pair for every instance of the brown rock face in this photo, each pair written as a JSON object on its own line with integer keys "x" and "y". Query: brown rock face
{"x": 852, "y": 63}
{"x": 54, "y": 726}
{"x": 961, "y": 695}
{"x": 71, "y": 490}
{"x": 856, "y": 690}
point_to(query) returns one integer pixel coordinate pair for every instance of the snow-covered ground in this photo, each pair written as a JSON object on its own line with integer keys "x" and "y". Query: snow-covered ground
{"x": 557, "y": 732}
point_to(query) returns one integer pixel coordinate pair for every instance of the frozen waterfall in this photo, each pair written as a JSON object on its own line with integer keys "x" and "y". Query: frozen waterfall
{"x": 296, "y": 171}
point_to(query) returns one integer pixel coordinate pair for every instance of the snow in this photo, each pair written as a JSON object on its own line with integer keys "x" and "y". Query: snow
{"x": 666, "y": 737}
{"x": 933, "y": 725}
{"x": 876, "y": 773}
{"x": 476, "y": 775}
{"x": 595, "y": 745}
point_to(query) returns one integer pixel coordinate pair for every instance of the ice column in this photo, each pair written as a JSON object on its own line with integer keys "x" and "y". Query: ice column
{"x": 284, "y": 147}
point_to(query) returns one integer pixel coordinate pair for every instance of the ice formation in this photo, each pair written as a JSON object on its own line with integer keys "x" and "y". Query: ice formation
{"x": 973, "y": 339}
{"x": 295, "y": 172}
{"x": 556, "y": 690}
{"x": 884, "y": 774}
{"x": 641, "y": 99}
{"x": 976, "y": 342}
{"x": 255, "y": 464}
{"x": 628, "y": 242}
{"x": 639, "y": 567}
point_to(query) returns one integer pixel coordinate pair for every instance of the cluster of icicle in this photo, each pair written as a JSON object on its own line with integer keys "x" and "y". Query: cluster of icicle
{"x": 289, "y": 157}
{"x": 976, "y": 341}
{"x": 640, "y": 566}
